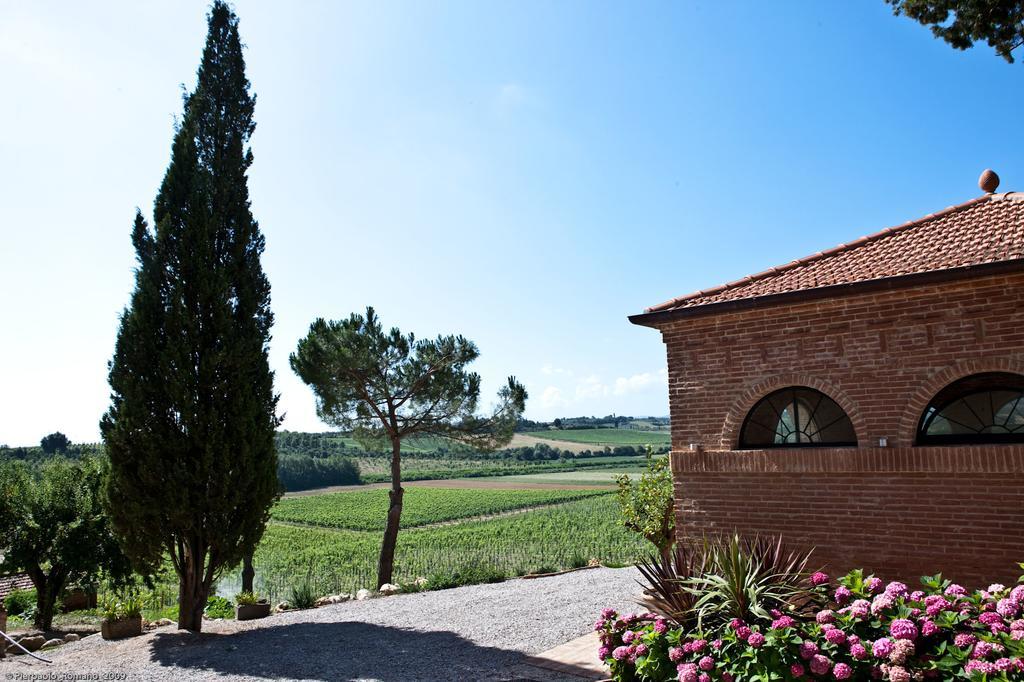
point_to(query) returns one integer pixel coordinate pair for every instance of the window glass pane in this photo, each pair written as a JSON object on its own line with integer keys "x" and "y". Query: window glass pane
{"x": 984, "y": 408}
{"x": 796, "y": 416}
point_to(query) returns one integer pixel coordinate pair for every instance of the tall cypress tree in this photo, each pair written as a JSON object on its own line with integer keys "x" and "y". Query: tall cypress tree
{"x": 190, "y": 429}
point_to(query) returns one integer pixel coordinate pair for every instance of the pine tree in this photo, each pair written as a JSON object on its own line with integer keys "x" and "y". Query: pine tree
{"x": 190, "y": 429}
{"x": 387, "y": 386}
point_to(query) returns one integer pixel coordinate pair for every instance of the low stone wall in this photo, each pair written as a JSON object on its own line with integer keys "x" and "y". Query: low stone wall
{"x": 898, "y": 512}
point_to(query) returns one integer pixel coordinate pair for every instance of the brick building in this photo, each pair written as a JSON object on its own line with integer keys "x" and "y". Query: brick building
{"x": 867, "y": 401}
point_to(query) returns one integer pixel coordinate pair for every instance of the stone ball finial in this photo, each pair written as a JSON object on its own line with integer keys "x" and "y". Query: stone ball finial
{"x": 989, "y": 181}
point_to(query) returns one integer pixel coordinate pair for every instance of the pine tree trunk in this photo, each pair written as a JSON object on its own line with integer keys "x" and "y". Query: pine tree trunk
{"x": 386, "y": 566}
{"x": 192, "y": 593}
{"x": 248, "y": 573}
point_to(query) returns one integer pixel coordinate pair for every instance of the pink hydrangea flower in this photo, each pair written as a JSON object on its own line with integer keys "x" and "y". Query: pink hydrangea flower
{"x": 687, "y": 672}
{"x": 858, "y": 652}
{"x": 598, "y": 625}
{"x": 706, "y": 663}
{"x": 641, "y": 649}
{"x": 825, "y": 616}
{"x": 627, "y": 636}
{"x": 896, "y": 589}
{"x": 820, "y": 665}
{"x": 727, "y": 677}
{"x": 755, "y": 640}
{"x": 955, "y": 590}
{"x": 717, "y": 644}
{"x": 608, "y": 614}
{"x": 935, "y": 604}
{"x": 902, "y": 649}
{"x": 736, "y": 623}
{"x": 808, "y": 650}
{"x": 898, "y": 674}
{"x": 981, "y": 650}
{"x": 743, "y": 632}
{"x": 881, "y": 603}
{"x": 853, "y": 639}
{"x": 842, "y": 671}
{"x": 983, "y": 667}
{"x": 797, "y": 670}
{"x": 835, "y": 636}
{"x": 917, "y": 595}
{"x": 783, "y": 622}
{"x": 842, "y": 595}
{"x": 965, "y": 640}
{"x": 901, "y": 628}
{"x": 996, "y": 588}
{"x": 928, "y": 628}
{"x": 1017, "y": 594}
{"x": 882, "y": 648}
{"x": 873, "y": 584}
{"x": 860, "y": 608}
{"x": 1007, "y": 608}
{"x": 603, "y": 652}
{"x": 819, "y": 578}
{"x": 675, "y": 654}
{"x": 704, "y": 677}
{"x": 620, "y": 653}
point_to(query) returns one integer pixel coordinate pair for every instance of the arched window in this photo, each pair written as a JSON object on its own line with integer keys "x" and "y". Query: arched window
{"x": 983, "y": 408}
{"x": 796, "y": 417}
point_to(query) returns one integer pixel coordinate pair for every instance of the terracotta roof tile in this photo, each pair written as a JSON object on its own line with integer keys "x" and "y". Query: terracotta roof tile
{"x": 18, "y": 581}
{"x": 987, "y": 229}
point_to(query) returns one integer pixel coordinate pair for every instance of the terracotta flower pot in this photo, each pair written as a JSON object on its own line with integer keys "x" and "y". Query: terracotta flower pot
{"x": 260, "y": 609}
{"x": 121, "y": 628}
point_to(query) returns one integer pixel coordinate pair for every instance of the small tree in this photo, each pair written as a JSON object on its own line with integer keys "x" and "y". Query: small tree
{"x": 54, "y": 443}
{"x": 387, "y": 386}
{"x": 1000, "y": 23}
{"x": 647, "y": 505}
{"x": 52, "y": 526}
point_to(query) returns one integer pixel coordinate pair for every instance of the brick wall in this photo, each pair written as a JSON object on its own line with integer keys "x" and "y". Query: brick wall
{"x": 900, "y": 511}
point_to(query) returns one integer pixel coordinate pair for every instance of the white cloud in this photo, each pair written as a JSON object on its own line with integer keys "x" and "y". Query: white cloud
{"x": 552, "y": 397}
{"x": 591, "y": 387}
{"x": 640, "y": 382}
{"x": 549, "y": 370}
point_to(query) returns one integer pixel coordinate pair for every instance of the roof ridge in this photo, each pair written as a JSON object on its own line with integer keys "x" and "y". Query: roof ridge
{"x": 841, "y": 248}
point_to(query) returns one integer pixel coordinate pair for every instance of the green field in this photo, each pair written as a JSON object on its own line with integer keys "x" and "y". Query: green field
{"x": 367, "y": 509}
{"x": 554, "y": 538}
{"x": 581, "y": 477}
{"x": 610, "y": 437}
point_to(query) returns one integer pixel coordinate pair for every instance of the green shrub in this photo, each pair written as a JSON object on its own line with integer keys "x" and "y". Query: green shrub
{"x": 303, "y": 595}
{"x": 246, "y": 598}
{"x": 119, "y": 606}
{"x": 19, "y": 602}
{"x": 471, "y": 574}
{"x": 219, "y": 607}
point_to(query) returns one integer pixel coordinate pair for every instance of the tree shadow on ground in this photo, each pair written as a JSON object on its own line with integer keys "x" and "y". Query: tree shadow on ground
{"x": 337, "y": 651}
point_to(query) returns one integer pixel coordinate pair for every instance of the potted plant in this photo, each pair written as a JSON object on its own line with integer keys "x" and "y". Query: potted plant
{"x": 248, "y": 606}
{"x": 121, "y": 617}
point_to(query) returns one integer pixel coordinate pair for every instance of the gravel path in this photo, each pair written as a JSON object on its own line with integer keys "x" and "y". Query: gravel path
{"x": 481, "y": 632}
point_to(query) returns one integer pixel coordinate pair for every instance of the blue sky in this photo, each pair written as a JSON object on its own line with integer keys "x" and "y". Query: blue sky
{"x": 524, "y": 173}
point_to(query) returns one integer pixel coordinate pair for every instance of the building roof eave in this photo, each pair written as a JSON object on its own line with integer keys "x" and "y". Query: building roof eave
{"x": 657, "y": 318}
